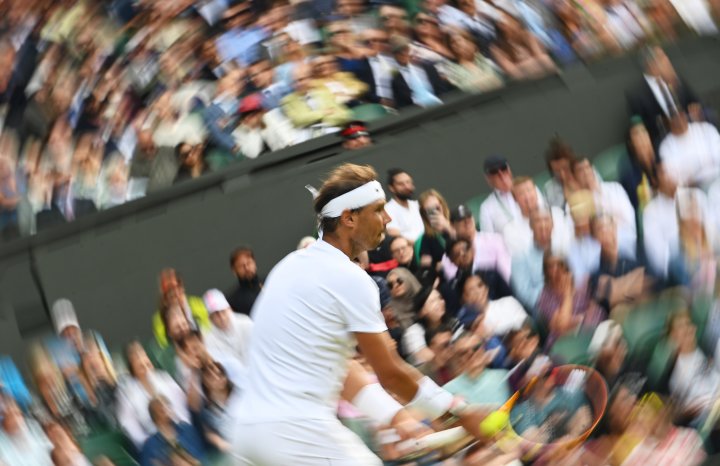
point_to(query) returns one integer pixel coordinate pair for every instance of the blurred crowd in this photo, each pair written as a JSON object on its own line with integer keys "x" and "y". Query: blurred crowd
{"x": 105, "y": 101}
{"x": 618, "y": 273}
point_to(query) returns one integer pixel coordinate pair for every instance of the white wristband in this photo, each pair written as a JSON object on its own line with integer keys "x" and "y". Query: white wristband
{"x": 374, "y": 402}
{"x": 431, "y": 400}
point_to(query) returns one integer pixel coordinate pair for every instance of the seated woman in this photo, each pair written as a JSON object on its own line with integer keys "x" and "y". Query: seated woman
{"x": 694, "y": 379}
{"x": 403, "y": 288}
{"x": 98, "y": 372}
{"x": 135, "y": 392}
{"x": 562, "y": 306}
{"x": 430, "y": 42}
{"x": 518, "y": 52}
{"x": 217, "y": 391}
{"x": 471, "y": 72}
{"x": 430, "y": 318}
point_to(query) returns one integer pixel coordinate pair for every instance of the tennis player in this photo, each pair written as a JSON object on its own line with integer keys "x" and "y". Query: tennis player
{"x": 316, "y": 306}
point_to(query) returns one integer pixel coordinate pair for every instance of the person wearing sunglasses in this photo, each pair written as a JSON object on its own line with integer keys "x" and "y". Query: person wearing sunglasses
{"x": 499, "y": 208}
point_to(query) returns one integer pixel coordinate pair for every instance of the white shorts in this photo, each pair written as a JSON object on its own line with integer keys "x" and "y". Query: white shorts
{"x": 299, "y": 443}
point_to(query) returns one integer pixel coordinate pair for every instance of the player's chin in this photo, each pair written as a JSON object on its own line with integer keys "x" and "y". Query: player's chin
{"x": 377, "y": 242}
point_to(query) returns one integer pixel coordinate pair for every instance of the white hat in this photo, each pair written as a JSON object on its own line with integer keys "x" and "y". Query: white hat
{"x": 63, "y": 315}
{"x": 215, "y": 301}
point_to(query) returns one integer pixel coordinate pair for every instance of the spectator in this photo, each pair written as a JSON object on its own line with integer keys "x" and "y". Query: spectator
{"x": 402, "y": 208}
{"x": 66, "y": 451}
{"x": 430, "y": 44}
{"x": 562, "y": 306}
{"x": 527, "y": 279}
{"x": 324, "y": 115}
{"x": 191, "y": 161}
{"x": 609, "y": 199}
{"x": 378, "y": 68}
{"x": 518, "y": 52}
{"x": 242, "y": 39}
{"x": 170, "y": 434}
{"x": 637, "y": 173}
{"x": 498, "y": 316}
{"x": 152, "y": 167}
{"x": 694, "y": 265}
{"x": 414, "y": 83}
{"x": 559, "y": 158}
{"x": 243, "y": 265}
{"x": 691, "y": 151}
{"x": 471, "y": 71}
{"x": 22, "y": 441}
{"x": 230, "y": 333}
{"x": 172, "y": 292}
{"x": 271, "y": 92}
{"x": 517, "y": 233}
{"x": 402, "y": 251}
{"x": 435, "y": 214}
{"x": 584, "y": 252}
{"x": 475, "y": 381}
{"x": 356, "y": 136}
{"x": 500, "y": 207}
{"x": 344, "y": 86}
{"x": 394, "y": 19}
{"x": 137, "y": 390}
{"x": 466, "y": 16}
{"x": 661, "y": 228}
{"x": 218, "y": 391}
{"x": 403, "y": 288}
{"x": 220, "y": 117}
{"x": 694, "y": 379}
{"x": 430, "y": 318}
{"x": 486, "y": 252}
{"x": 252, "y": 138}
{"x": 101, "y": 382}
{"x": 660, "y": 92}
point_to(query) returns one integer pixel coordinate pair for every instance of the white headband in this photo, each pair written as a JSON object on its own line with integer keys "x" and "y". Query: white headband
{"x": 358, "y": 197}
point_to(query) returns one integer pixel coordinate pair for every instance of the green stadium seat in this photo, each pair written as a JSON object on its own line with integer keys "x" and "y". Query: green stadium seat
{"x": 162, "y": 358}
{"x": 573, "y": 348}
{"x": 645, "y": 325}
{"x": 474, "y": 205}
{"x": 111, "y": 444}
{"x": 607, "y": 163}
{"x": 700, "y": 312}
{"x": 369, "y": 112}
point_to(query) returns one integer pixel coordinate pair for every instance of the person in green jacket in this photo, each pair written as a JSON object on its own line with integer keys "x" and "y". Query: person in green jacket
{"x": 173, "y": 293}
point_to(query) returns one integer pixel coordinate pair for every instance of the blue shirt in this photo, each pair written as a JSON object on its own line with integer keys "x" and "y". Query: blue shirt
{"x": 241, "y": 45}
{"x": 490, "y": 387}
{"x": 527, "y": 279}
{"x": 583, "y": 258}
{"x": 157, "y": 449}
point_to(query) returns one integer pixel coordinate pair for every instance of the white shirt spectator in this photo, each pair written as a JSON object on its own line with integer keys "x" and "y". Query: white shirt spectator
{"x": 661, "y": 233}
{"x": 406, "y": 219}
{"x": 304, "y": 335}
{"x": 382, "y": 68}
{"x": 133, "y": 400}
{"x": 497, "y": 211}
{"x": 693, "y": 157}
{"x": 234, "y": 342}
{"x": 612, "y": 200}
{"x": 503, "y": 315}
{"x": 694, "y": 381}
{"x": 518, "y": 235}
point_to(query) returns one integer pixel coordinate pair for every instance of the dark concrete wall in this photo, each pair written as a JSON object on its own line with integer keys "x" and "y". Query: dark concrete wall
{"x": 108, "y": 265}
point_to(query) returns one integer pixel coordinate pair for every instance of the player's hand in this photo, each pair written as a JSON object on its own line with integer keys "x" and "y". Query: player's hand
{"x": 471, "y": 419}
{"x": 407, "y": 427}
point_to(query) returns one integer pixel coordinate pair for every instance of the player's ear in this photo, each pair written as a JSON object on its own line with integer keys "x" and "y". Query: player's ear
{"x": 348, "y": 218}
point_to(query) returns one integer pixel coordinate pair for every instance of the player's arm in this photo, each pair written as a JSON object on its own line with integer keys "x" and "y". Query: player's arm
{"x": 415, "y": 390}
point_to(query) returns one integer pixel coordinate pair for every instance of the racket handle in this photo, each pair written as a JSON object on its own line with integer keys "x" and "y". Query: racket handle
{"x": 434, "y": 441}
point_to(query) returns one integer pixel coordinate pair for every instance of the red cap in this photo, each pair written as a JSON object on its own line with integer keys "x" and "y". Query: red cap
{"x": 251, "y": 103}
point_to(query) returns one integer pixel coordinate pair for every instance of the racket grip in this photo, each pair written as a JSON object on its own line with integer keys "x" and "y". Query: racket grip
{"x": 434, "y": 441}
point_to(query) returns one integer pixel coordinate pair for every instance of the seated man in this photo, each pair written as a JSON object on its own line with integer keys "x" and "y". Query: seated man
{"x": 415, "y": 83}
{"x": 169, "y": 436}
{"x": 474, "y": 381}
{"x": 499, "y": 316}
{"x": 230, "y": 332}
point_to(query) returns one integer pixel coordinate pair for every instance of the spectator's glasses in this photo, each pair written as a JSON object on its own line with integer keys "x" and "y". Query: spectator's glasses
{"x": 394, "y": 16}
{"x": 498, "y": 170}
{"x": 422, "y": 20}
{"x": 393, "y": 283}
